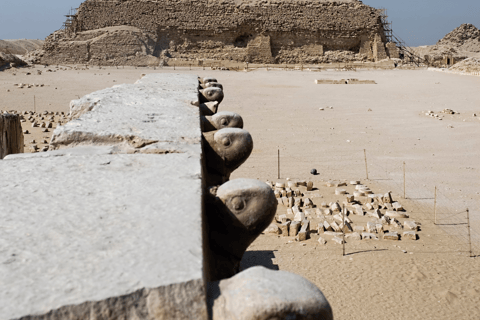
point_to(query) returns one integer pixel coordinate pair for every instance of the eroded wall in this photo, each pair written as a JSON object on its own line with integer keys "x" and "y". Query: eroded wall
{"x": 263, "y": 32}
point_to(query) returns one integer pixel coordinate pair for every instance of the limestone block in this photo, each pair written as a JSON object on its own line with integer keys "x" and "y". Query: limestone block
{"x": 303, "y": 234}
{"x": 379, "y": 227}
{"x": 395, "y": 223}
{"x": 322, "y": 241}
{"x": 277, "y": 194}
{"x": 260, "y": 293}
{"x": 397, "y": 206}
{"x": 392, "y": 235}
{"x": 289, "y": 192}
{"x": 290, "y": 202}
{"x": 302, "y": 183}
{"x": 355, "y": 182}
{"x": 285, "y": 201}
{"x": 335, "y": 226}
{"x": 335, "y": 207}
{"x": 368, "y": 235}
{"x": 318, "y": 212}
{"x": 309, "y": 212}
{"x": 376, "y": 214}
{"x": 411, "y": 225}
{"x": 284, "y": 228}
{"x": 283, "y": 193}
{"x": 358, "y": 194}
{"x": 340, "y": 191}
{"x": 282, "y": 218}
{"x": 299, "y": 216}
{"x": 371, "y": 227}
{"x": 341, "y": 184}
{"x": 358, "y": 209}
{"x": 337, "y": 240}
{"x": 409, "y": 235}
{"x": 327, "y": 226}
{"x": 297, "y": 192}
{"x": 353, "y": 236}
{"x": 396, "y": 214}
{"x": 296, "y": 209}
{"x": 307, "y": 203}
{"x": 358, "y": 229}
{"x": 98, "y": 241}
{"x": 350, "y": 198}
{"x": 333, "y": 234}
{"x": 293, "y": 229}
{"x": 387, "y": 198}
{"x": 292, "y": 185}
{"x": 327, "y": 212}
{"x": 280, "y": 185}
{"x": 369, "y": 206}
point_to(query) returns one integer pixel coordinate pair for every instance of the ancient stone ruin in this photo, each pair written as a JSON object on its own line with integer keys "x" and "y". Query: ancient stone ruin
{"x": 131, "y": 214}
{"x": 148, "y": 32}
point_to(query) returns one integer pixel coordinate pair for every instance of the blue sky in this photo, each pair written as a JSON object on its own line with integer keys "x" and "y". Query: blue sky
{"x": 417, "y": 22}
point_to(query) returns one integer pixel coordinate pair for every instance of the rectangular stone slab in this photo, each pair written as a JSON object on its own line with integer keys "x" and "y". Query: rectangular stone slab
{"x": 110, "y": 225}
{"x": 153, "y": 115}
{"x": 81, "y": 232}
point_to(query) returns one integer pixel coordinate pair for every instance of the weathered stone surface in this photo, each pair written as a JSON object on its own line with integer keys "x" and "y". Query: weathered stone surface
{"x": 353, "y": 236}
{"x": 137, "y": 117}
{"x": 87, "y": 233}
{"x": 392, "y": 235}
{"x": 338, "y": 240}
{"x": 294, "y": 227}
{"x": 260, "y": 293}
{"x": 396, "y": 214}
{"x": 409, "y": 235}
{"x": 368, "y": 235}
{"x": 272, "y": 229}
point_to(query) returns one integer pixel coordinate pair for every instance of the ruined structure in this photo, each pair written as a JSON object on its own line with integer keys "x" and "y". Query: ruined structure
{"x": 130, "y": 217}
{"x": 149, "y": 32}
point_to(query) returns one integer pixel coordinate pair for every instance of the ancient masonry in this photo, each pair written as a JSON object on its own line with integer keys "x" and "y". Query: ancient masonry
{"x": 149, "y": 32}
{"x": 137, "y": 218}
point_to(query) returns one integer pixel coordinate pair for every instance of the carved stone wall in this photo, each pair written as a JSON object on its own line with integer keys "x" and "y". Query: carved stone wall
{"x": 255, "y": 31}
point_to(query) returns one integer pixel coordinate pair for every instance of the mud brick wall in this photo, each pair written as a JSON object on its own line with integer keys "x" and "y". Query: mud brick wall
{"x": 298, "y": 31}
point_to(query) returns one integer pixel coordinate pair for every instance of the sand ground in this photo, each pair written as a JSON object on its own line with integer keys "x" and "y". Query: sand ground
{"x": 435, "y": 279}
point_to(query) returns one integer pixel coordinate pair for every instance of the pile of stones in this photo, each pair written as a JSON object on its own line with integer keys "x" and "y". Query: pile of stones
{"x": 361, "y": 214}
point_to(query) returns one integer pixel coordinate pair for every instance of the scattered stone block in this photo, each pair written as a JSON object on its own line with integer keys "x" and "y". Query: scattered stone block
{"x": 358, "y": 209}
{"x": 283, "y": 193}
{"x": 309, "y": 212}
{"x": 330, "y": 184}
{"x": 379, "y": 227}
{"x": 397, "y": 206}
{"x": 298, "y": 202}
{"x": 297, "y": 193}
{"x": 368, "y": 235}
{"x": 335, "y": 207}
{"x": 371, "y": 227}
{"x": 307, "y": 203}
{"x": 290, "y": 202}
{"x": 369, "y": 206}
{"x": 299, "y": 216}
{"x": 350, "y": 198}
{"x": 322, "y": 241}
{"x": 354, "y": 182}
{"x": 282, "y": 218}
{"x": 302, "y": 183}
{"x": 395, "y": 223}
{"x": 392, "y": 235}
{"x": 409, "y": 235}
{"x": 289, "y": 211}
{"x": 335, "y": 226}
{"x": 341, "y": 184}
{"x": 396, "y": 214}
{"x": 280, "y": 185}
{"x": 340, "y": 191}
{"x": 338, "y": 240}
{"x": 358, "y": 194}
{"x": 296, "y": 209}
{"x": 303, "y": 234}
{"x": 293, "y": 229}
{"x": 324, "y": 205}
{"x": 289, "y": 192}
{"x": 284, "y": 228}
{"x": 327, "y": 226}
{"x": 334, "y": 234}
{"x": 318, "y": 212}
{"x": 353, "y": 236}
{"x": 285, "y": 201}
{"x": 327, "y": 212}
{"x": 292, "y": 184}
{"x": 387, "y": 198}
{"x": 358, "y": 229}
{"x": 410, "y": 225}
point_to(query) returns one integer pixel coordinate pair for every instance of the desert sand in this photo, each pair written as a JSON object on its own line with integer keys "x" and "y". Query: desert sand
{"x": 434, "y": 278}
